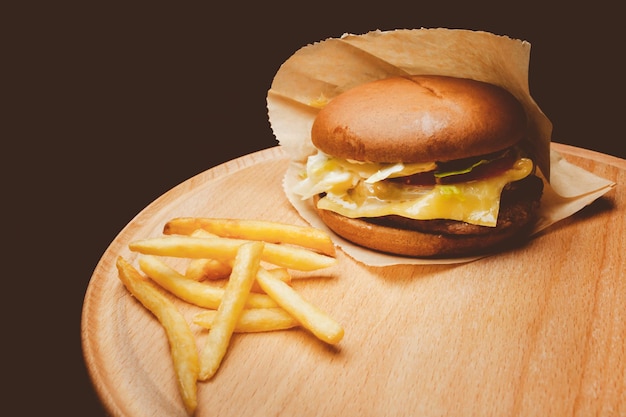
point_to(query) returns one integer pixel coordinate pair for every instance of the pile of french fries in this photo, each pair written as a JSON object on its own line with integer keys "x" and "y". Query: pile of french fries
{"x": 253, "y": 258}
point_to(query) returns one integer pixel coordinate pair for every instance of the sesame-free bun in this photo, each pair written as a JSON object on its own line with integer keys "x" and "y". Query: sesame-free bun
{"x": 421, "y": 118}
{"x": 406, "y": 242}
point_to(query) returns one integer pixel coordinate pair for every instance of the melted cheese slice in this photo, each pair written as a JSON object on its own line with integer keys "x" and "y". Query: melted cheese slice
{"x": 355, "y": 189}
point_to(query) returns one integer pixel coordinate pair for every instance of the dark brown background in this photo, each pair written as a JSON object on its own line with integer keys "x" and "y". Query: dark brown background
{"x": 114, "y": 105}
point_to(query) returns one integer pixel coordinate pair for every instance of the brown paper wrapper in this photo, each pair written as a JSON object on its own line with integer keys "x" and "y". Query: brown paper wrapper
{"x": 319, "y": 72}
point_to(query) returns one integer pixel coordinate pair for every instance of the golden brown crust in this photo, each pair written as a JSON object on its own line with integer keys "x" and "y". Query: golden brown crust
{"x": 419, "y": 119}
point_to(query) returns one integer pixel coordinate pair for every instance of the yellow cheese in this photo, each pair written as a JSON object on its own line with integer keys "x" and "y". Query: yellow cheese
{"x": 360, "y": 190}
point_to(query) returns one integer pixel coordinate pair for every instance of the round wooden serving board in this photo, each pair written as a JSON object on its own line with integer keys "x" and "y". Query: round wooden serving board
{"x": 537, "y": 331}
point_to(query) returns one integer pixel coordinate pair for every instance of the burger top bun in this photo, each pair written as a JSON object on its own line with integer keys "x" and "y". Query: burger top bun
{"x": 419, "y": 118}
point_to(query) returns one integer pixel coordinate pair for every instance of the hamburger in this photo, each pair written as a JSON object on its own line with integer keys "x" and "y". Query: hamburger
{"x": 424, "y": 166}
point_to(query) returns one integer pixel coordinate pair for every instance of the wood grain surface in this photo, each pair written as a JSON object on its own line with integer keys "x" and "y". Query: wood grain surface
{"x": 538, "y": 331}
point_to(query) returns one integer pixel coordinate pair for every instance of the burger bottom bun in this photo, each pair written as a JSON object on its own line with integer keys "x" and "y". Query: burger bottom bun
{"x": 390, "y": 238}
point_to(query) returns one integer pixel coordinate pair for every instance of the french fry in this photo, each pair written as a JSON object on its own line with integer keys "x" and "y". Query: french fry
{"x": 245, "y": 269}
{"x": 308, "y": 315}
{"x": 267, "y": 231}
{"x": 224, "y": 249}
{"x": 207, "y": 269}
{"x": 193, "y": 292}
{"x": 279, "y": 273}
{"x": 202, "y": 233}
{"x": 181, "y": 340}
{"x": 252, "y": 320}
{"x": 201, "y": 269}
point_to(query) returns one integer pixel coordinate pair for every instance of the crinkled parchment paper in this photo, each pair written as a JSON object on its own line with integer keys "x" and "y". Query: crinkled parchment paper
{"x": 320, "y": 71}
